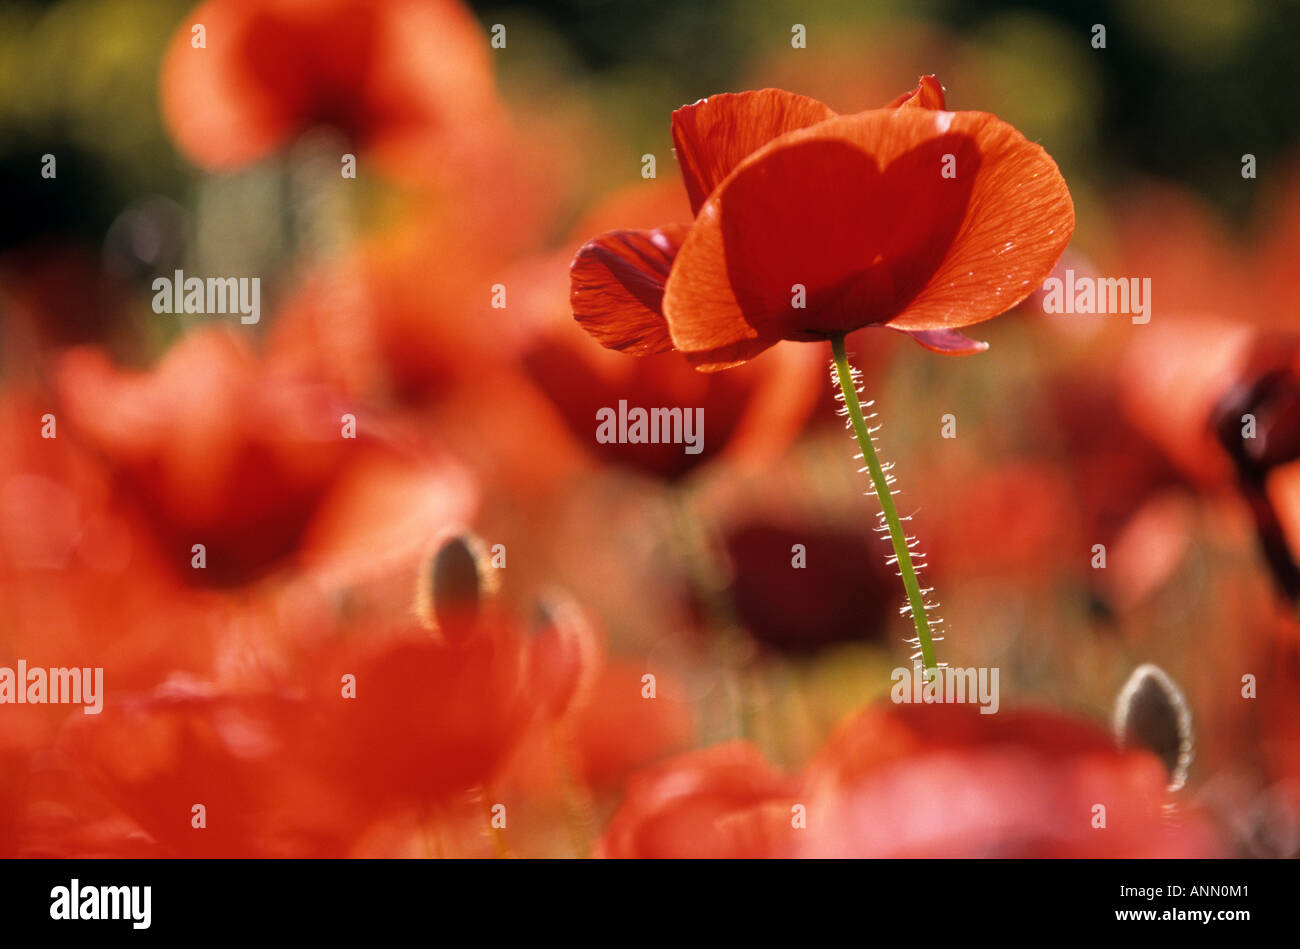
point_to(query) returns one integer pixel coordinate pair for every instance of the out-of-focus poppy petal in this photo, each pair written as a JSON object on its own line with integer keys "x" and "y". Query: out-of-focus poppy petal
{"x": 752, "y": 413}
{"x": 394, "y": 76}
{"x": 713, "y": 136}
{"x": 564, "y": 655}
{"x": 615, "y": 730}
{"x": 857, "y": 213}
{"x": 844, "y": 593}
{"x": 435, "y": 719}
{"x": 933, "y": 780}
{"x": 218, "y": 114}
{"x": 928, "y": 94}
{"x": 948, "y": 342}
{"x": 153, "y": 755}
{"x": 189, "y": 453}
{"x": 617, "y": 288}
{"x": 719, "y": 802}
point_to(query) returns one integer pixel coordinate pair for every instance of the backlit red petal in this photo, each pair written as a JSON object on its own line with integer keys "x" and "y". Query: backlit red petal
{"x": 928, "y": 94}
{"x": 924, "y": 219}
{"x": 948, "y": 342}
{"x": 712, "y": 136}
{"x": 617, "y": 288}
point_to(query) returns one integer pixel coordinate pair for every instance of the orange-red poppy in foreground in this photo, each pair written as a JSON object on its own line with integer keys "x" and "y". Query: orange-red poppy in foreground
{"x": 810, "y": 224}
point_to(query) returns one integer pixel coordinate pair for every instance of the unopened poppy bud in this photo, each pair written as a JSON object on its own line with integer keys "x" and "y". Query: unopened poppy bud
{"x": 562, "y": 655}
{"x": 1150, "y": 712}
{"x": 454, "y": 585}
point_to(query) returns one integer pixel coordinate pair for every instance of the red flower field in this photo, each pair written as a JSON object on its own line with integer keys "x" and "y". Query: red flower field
{"x": 466, "y": 431}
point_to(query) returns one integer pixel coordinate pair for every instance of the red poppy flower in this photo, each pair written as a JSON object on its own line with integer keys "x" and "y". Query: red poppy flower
{"x": 213, "y": 448}
{"x": 78, "y": 577}
{"x": 431, "y": 717}
{"x": 155, "y": 756}
{"x": 947, "y": 781}
{"x": 751, "y": 417}
{"x": 810, "y": 225}
{"x": 405, "y": 314}
{"x": 720, "y": 802}
{"x": 394, "y": 76}
{"x": 210, "y": 452}
{"x": 614, "y": 729}
{"x": 844, "y": 593}
{"x": 299, "y": 768}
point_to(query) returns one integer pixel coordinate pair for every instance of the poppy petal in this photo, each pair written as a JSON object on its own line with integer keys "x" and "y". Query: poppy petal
{"x": 928, "y": 94}
{"x": 855, "y": 222}
{"x": 713, "y": 136}
{"x": 617, "y": 288}
{"x": 1019, "y": 220}
{"x": 729, "y": 355}
{"x": 948, "y": 342}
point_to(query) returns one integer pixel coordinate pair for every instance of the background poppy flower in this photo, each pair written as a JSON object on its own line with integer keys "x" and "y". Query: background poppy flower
{"x": 209, "y": 451}
{"x": 398, "y": 77}
{"x": 947, "y": 781}
{"x": 829, "y": 599}
{"x": 615, "y": 729}
{"x": 430, "y": 718}
{"x": 719, "y": 802}
{"x": 214, "y": 446}
{"x": 749, "y": 418}
{"x": 296, "y": 768}
{"x": 82, "y": 581}
{"x": 156, "y": 755}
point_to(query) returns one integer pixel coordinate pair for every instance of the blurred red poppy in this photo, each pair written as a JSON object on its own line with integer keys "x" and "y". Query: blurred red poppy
{"x": 78, "y": 577}
{"x": 615, "y": 728}
{"x": 380, "y": 724}
{"x": 752, "y": 416}
{"x": 842, "y": 592}
{"x": 810, "y": 225}
{"x": 719, "y": 802}
{"x": 156, "y": 756}
{"x": 394, "y": 76}
{"x": 947, "y": 781}
{"x": 401, "y": 315}
{"x": 431, "y": 717}
{"x": 214, "y": 448}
